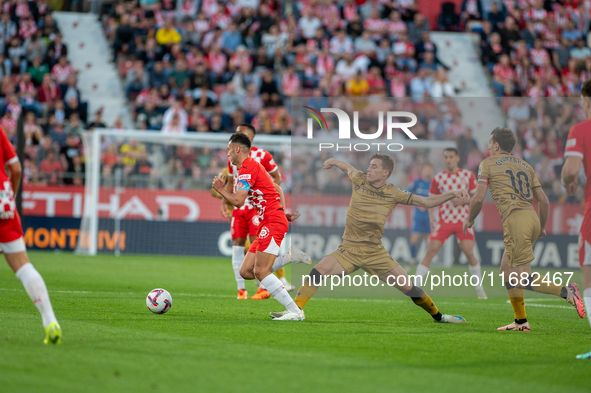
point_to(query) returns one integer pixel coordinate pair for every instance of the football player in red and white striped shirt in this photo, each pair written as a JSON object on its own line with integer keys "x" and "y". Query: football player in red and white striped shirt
{"x": 451, "y": 216}
{"x": 245, "y": 220}
{"x": 12, "y": 244}
{"x": 255, "y": 184}
{"x": 577, "y": 152}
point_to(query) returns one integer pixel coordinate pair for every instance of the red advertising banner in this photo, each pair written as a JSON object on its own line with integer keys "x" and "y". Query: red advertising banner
{"x": 192, "y": 206}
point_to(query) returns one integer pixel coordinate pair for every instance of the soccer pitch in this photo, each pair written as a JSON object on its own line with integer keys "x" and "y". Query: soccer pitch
{"x": 211, "y": 342}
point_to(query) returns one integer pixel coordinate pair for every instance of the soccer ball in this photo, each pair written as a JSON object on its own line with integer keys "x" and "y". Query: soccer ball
{"x": 159, "y": 301}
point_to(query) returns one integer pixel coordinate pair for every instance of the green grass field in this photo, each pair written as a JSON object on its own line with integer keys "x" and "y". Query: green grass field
{"x": 211, "y": 342}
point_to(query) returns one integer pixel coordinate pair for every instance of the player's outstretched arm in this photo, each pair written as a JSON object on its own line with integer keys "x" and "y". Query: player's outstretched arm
{"x": 543, "y": 209}
{"x": 343, "y": 166}
{"x": 436, "y": 200}
{"x": 570, "y": 172}
{"x": 475, "y": 205}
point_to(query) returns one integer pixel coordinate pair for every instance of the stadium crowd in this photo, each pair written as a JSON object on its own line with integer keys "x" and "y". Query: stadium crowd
{"x": 206, "y": 66}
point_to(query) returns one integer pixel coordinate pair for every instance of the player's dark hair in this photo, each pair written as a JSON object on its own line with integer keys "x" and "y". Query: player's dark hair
{"x": 250, "y": 127}
{"x": 505, "y": 138}
{"x": 240, "y": 139}
{"x": 586, "y": 88}
{"x": 387, "y": 162}
{"x": 452, "y": 149}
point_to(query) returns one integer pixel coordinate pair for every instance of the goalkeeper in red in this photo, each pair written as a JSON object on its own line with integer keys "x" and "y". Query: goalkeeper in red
{"x": 267, "y": 198}
{"x": 13, "y": 245}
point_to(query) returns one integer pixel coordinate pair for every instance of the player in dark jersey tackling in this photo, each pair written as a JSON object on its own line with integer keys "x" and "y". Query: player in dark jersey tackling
{"x": 372, "y": 201}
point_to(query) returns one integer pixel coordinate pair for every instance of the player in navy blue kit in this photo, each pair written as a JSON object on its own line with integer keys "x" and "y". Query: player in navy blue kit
{"x": 421, "y": 223}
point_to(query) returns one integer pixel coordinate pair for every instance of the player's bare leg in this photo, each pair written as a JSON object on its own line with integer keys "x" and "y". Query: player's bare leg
{"x": 399, "y": 279}
{"x": 237, "y": 258}
{"x": 467, "y": 247}
{"x": 37, "y": 291}
{"x": 586, "y": 272}
{"x": 328, "y": 266}
{"x": 423, "y": 267}
{"x": 263, "y": 271}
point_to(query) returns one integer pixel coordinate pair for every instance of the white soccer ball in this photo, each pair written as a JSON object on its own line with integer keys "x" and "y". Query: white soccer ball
{"x": 159, "y": 301}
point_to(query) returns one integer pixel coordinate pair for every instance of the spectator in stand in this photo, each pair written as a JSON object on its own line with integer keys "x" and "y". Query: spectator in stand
{"x": 441, "y": 86}
{"x": 357, "y": 86}
{"x": 420, "y": 85}
{"x": 124, "y": 38}
{"x": 571, "y": 34}
{"x": 580, "y": 52}
{"x": 15, "y": 57}
{"x": 309, "y": 23}
{"x": 417, "y": 27}
{"x": 168, "y": 34}
{"x": 496, "y": 16}
{"x": 230, "y": 100}
{"x": 51, "y": 169}
{"x": 509, "y": 33}
{"x": 341, "y": 44}
{"x": 174, "y": 120}
{"x": 61, "y": 72}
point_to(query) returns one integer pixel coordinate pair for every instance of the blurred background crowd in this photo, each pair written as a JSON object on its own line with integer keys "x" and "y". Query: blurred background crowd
{"x": 209, "y": 65}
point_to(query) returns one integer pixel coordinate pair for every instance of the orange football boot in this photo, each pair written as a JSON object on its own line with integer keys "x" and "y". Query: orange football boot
{"x": 261, "y": 294}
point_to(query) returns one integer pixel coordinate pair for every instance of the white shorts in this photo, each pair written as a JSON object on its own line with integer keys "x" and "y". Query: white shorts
{"x": 13, "y": 247}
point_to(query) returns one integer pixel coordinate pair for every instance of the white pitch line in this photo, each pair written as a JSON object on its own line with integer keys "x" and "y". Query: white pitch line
{"x": 361, "y": 300}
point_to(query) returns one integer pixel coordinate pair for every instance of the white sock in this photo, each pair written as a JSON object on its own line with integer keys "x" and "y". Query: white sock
{"x": 587, "y": 297}
{"x": 37, "y": 291}
{"x": 280, "y": 262}
{"x": 422, "y": 271}
{"x": 237, "y": 258}
{"x": 475, "y": 271}
{"x": 276, "y": 288}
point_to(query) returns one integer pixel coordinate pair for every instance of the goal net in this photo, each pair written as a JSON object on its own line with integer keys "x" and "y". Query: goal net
{"x": 149, "y": 193}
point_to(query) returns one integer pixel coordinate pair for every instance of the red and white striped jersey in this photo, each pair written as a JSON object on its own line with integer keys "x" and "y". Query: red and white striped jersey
{"x": 536, "y": 15}
{"x": 8, "y": 157}
{"x": 261, "y": 156}
{"x": 262, "y": 194}
{"x": 538, "y": 56}
{"x": 445, "y": 182}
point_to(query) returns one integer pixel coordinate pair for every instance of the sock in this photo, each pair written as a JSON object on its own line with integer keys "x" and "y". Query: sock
{"x": 309, "y": 288}
{"x": 37, "y": 291}
{"x": 587, "y": 298}
{"x": 421, "y": 299}
{"x": 258, "y": 283}
{"x": 276, "y": 288}
{"x": 422, "y": 271}
{"x": 413, "y": 250}
{"x": 280, "y": 262}
{"x": 237, "y": 258}
{"x": 549, "y": 288}
{"x": 475, "y": 271}
{"x": 517, "y": 301}
{"x": 280, "y": 273}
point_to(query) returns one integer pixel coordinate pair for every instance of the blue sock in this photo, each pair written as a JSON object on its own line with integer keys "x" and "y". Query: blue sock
{"x": 413, "y": 250}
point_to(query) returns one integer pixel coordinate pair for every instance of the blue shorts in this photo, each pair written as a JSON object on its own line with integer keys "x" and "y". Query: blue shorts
{"x": 421, "y": 223}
